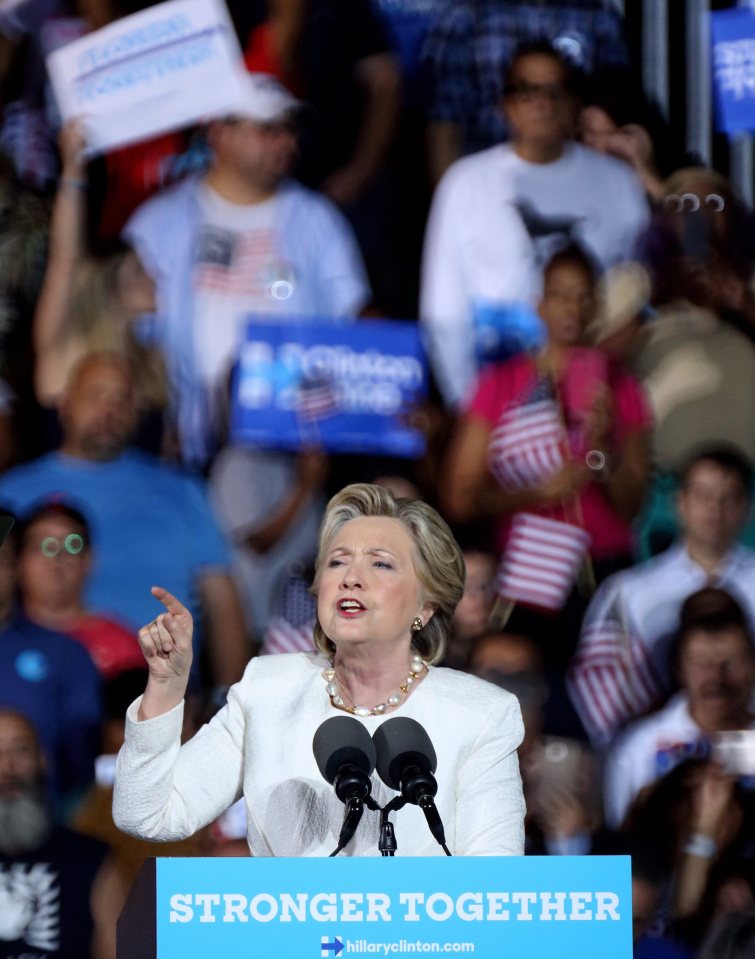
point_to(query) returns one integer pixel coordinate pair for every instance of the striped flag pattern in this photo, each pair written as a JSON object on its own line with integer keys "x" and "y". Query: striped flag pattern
{"x": 610, "y": 679}
{"x": 316, "y": 398}
{"x": 281, "y": 636}
{"x": 290, "y": 629}
{"x": 541, "y": 561}
{"x": 528, "y": 443}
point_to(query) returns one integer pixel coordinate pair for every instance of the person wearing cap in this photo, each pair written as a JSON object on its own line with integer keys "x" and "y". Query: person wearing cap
{"x": 242, "y": 239}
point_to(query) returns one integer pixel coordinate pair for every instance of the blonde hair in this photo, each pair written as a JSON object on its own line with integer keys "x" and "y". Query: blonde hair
{"x": 438, "y": 561}
{"x": 91, "y": 322}
{"x": 680, "y": 181}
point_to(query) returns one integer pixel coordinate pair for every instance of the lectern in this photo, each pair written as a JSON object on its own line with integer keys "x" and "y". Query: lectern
{"x": 487, "y": 907}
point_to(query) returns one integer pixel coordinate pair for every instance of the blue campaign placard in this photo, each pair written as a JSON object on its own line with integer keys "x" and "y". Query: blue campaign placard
{"x": 733, "y": 69}
{"x": 348, "y": 388}
{"x": 488, "y": 907}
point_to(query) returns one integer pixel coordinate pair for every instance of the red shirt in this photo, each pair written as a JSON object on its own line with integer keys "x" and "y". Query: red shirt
{"x": 505, "y": 385}
{"x": 112, "y": 648}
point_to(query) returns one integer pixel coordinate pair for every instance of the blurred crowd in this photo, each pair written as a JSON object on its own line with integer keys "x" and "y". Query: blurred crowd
{"x": 444, "y": 161}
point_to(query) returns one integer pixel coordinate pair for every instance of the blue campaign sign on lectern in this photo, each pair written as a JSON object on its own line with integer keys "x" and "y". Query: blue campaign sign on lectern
{"x": 488, "y": 907}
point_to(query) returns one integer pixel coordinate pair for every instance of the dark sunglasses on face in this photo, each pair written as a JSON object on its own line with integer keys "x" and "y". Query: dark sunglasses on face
{"x": 530, "y": 92}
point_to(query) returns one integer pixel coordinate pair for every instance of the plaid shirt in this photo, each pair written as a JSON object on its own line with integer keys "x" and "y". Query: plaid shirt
{"x": 471, "y": 42}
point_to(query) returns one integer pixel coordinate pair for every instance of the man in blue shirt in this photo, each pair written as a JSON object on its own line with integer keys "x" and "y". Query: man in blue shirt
{"x": 151, "y": 523}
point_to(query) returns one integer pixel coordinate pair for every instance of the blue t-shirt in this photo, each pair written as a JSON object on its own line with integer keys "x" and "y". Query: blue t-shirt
{"x": 151, "y": 525}
{"x": 51, "y": 679}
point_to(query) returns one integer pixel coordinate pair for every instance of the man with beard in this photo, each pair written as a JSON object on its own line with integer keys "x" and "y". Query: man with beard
{"x": 51, "y": 903}
{"x": 715, "y": 663}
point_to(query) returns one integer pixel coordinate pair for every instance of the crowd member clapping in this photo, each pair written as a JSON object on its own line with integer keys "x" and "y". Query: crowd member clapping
{"x": 500, "y": 468}
{"x": 601, "y": 407}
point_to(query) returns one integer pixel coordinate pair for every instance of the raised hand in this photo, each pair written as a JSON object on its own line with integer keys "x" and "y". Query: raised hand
{"x": 166, "y": 645}
{"x": 712, "y": 802}
{"x": 72, "y": 143}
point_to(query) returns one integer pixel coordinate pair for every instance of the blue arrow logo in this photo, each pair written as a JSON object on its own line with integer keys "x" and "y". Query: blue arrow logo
{"x": 335, "y": 947}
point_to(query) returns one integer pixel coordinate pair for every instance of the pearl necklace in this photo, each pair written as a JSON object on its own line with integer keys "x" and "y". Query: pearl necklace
{"x": 331, "y": 688}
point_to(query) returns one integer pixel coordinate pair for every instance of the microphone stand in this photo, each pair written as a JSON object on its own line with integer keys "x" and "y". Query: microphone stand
{"x": 387, "y": 845}
{"x": 353, "y": 789}
{"x": 387, "y": 841}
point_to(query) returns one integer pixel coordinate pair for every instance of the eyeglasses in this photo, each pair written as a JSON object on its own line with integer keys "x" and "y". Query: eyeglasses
{"x": 529, "y": 92}
{"x": 692, "y": 202}
{"x": 271, "y": 128}
{"x": 71, "y": 545}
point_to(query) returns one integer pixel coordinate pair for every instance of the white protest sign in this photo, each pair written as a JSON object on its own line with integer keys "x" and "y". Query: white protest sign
{"x": 158, "y": 70}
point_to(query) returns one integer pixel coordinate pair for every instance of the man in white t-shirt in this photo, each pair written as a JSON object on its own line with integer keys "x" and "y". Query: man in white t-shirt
{"x": 499, "y": 215}
{"x": 244, "y": 239}
{"x": 621, "y": 667}
{"x": 716, "y": 666}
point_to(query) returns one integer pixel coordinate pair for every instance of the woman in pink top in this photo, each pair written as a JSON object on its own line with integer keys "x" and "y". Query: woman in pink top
{"x": 562, "y": 435}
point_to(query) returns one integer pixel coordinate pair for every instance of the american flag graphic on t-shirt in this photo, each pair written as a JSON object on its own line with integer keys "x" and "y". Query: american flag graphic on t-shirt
{"x": 528, "y": 444}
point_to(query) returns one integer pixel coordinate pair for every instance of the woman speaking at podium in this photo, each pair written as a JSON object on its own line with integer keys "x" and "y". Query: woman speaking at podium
{"x": 388, "y": 577}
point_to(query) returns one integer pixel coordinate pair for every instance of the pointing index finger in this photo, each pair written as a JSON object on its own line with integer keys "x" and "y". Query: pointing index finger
{"x": 169, "y": 601}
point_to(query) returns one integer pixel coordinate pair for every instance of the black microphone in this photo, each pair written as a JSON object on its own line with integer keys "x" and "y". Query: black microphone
{"x": 345, "y": 755}
{"x": 406, "y": 762}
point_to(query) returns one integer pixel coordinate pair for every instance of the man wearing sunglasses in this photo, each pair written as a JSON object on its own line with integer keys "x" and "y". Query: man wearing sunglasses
{"x": 499, "y": 215}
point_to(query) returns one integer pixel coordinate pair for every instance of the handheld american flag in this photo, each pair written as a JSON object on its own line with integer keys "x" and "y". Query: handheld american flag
{"x": 316, "y": 398}
{"x": 541, "y": 561}
{"x": 290, "y": 629}
{"x": 611, "y": 679}
{"x": 529, "y": 441}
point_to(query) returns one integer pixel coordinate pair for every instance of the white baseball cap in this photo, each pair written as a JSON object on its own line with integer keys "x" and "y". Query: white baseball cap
{"x": 265, "y": 99}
